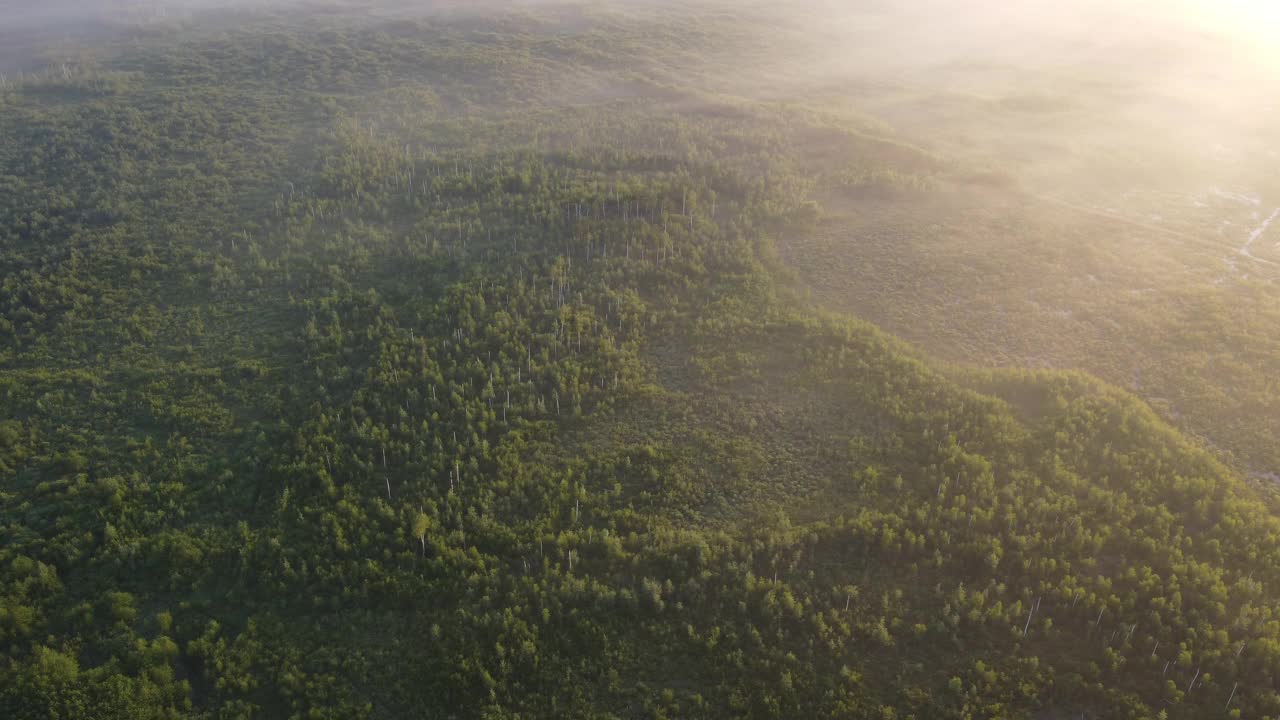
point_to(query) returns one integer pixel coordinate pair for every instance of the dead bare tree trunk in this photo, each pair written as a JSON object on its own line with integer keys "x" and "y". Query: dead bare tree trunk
{"x": 1034, "y": 607}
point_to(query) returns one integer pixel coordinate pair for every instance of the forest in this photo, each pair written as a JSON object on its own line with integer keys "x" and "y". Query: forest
{"x": 458, "y": 364}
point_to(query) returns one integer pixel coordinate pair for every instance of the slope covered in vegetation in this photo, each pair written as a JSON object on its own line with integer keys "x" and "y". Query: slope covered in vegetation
{"x": 443, "y": 369}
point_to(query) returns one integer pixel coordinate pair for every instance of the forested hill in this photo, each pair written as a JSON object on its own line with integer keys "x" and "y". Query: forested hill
{"x": 444, "y": 368}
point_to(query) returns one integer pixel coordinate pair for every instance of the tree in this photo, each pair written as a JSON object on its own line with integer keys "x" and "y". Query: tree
{"x": 421, "y": 524}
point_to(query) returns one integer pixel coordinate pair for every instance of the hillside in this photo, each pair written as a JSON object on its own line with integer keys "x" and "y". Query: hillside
{"x": 452, "y": 366}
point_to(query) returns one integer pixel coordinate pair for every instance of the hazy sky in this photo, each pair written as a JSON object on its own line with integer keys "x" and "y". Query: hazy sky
{"x": 917, "y": 32}
{"x": 1256, "y": 22}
